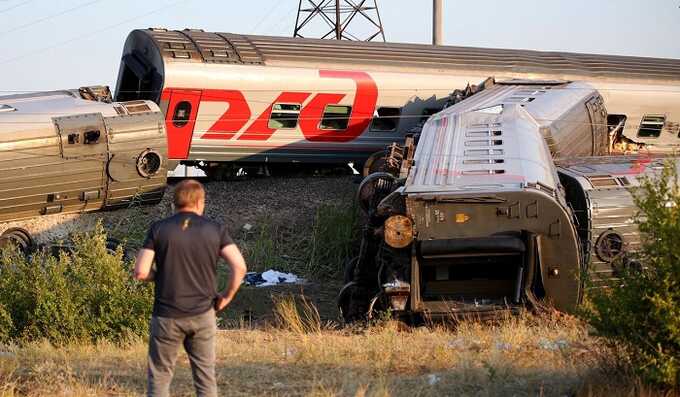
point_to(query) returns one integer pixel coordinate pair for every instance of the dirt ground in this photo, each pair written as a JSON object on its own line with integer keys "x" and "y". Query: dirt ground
{"x": 253, "y": 306}
{"x": 235, "y": 203}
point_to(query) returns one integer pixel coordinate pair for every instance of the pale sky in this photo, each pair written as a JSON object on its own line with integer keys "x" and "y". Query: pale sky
{"x": 55, "y": 44}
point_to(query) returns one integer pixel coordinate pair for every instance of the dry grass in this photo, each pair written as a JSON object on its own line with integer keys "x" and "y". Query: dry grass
{"x": 518, "y": 356}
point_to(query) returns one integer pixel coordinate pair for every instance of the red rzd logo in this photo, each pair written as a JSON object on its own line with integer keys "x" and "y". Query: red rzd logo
{"x": 180, "y": 120}
{"x": 238, "y": 114}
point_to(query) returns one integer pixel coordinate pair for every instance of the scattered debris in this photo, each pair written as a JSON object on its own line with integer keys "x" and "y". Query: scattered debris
{"x": 457, "y": 344}
{"x": 290, "y": 352}
{"x": 503, "y": 346}
{"x": 559, "y": 344}
{"x": 271, "y": 277}
{"x": 247, "y": 227}
{"x": 433, "y": 379}
{"x": 463, "y": 344}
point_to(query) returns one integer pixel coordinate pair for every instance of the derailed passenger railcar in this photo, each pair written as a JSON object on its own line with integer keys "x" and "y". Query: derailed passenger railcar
{"x": 600, "y": 193}
{"x": 75, "y": 151}
{"x": 244, "y": 98}
{"x": 476, "y": 219}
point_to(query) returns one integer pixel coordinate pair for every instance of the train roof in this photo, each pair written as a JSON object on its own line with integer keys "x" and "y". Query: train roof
{"x": 191, "y": 45}
{"x": 494, "y": 140}
{"x": 34, "y": 112}
{"x": 613, "y": 172}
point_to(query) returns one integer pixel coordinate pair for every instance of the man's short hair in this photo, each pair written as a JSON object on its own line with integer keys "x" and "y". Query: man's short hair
{"x": 188, "y": 193}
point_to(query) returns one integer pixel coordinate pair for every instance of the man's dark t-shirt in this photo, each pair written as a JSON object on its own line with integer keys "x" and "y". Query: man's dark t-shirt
{"x": 187, "y": 247}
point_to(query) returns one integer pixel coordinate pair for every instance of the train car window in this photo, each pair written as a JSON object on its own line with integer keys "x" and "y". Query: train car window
{"x": 387, "y": 120}
{"x": 182, "y": 113}
{"x": 651, "y": 126}
{"x": 7, "y": 108}
{"x": 91, "y": 137}
{"x": 336, "y": 117}
{"x": 284, "y": 115}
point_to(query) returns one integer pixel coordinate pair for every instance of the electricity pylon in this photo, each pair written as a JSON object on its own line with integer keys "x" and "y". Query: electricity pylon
{"x": 342, "y": 17}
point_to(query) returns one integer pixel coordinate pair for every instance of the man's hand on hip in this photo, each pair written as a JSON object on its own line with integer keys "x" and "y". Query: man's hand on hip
{"x": 221, "y": 303}
{"x": 234, "y": 259}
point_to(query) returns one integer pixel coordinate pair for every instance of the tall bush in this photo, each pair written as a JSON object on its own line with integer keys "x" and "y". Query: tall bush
{"x": 87, "y": 294}
{"x": 641, "y": 310}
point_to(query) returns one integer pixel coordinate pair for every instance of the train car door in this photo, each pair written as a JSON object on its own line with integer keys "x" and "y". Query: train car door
{"x": 79, "y": 180}
{"x": 598, "y": 120}
{"x": 180, "y": 120}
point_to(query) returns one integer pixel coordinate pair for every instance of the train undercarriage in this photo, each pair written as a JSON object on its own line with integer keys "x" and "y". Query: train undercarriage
{"x": 492, "y": 208}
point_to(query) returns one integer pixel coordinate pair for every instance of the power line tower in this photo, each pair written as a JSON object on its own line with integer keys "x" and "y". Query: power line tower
{"x": 347, "y": 20}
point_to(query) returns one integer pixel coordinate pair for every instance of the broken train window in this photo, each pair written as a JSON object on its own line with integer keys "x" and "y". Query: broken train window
{"x": 386, "y": 120}
{"x": 651, "y": 126}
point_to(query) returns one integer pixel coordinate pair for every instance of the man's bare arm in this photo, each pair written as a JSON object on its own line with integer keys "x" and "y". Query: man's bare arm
{"x": 235, "y": 260}
{"x": 143, "y": 263}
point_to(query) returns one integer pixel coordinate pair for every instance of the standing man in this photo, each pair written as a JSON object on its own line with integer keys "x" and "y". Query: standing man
{"x": 186, "y": 247}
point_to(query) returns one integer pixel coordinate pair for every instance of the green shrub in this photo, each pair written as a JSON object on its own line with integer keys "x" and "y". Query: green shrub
{"x": 88, "y": 294}
{"x": 641, "y": 310}
{"x": 6, "y": 326}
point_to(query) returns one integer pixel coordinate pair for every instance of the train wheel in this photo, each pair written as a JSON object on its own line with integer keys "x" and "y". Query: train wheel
{"x": 18, "y": 237}
{"x": 377, "y": 307}
{"x": 344, "y": 302}
{"x": 375, "y": 163}
{"x": 373, "y": 189}
{"x": 350, "y": 267}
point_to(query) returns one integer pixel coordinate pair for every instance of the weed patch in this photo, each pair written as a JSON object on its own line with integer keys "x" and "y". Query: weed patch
{"x": 506, "y": 358}
{"x": 313, "y": 250}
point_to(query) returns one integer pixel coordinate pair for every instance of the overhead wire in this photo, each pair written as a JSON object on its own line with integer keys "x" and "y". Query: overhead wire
{"x": 93, "y": 33}
{"x": 4, "y": 10}
{"x": 283, "y": 20}
{"x": 272, "y": 10}
{"x": 352, "y": 90}
{"x": 52, "y": 16}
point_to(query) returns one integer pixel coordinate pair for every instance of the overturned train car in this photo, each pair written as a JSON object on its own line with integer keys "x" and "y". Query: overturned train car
{"x": 76, "y": 151}
{"x": 479, "y": 218}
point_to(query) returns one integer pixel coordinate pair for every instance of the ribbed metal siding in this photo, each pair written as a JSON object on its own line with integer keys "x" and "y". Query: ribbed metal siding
{"x": 612, "y": 209}
{"x": 264, "y": 48}
{"x": 467, "y": 58}
{"x": 32, "y": 179}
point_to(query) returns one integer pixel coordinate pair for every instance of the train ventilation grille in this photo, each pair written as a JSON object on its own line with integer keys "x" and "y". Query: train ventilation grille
{"x": 526, "y": 95}
{"x": 213, "y": 47}
{"x": 174, "y": 44}
{"x": 485, "y": 153}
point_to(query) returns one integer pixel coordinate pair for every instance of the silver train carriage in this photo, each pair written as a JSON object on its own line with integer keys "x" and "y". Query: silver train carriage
{"x": 599, "y": 191}
{"x": 230, "y": 97}
{"x": 75, "y": 151}
{"x": 477, "y": 217}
